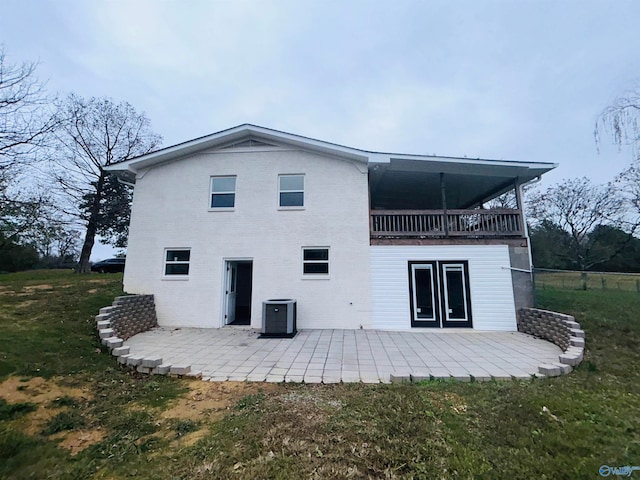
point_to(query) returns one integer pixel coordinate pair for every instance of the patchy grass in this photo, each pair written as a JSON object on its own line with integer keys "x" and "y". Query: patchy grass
{"x": 68, "y": 411}
{"x": 67, "y": 420}
{"x": 10, "y": 411}
{"x": 47, "y": 322}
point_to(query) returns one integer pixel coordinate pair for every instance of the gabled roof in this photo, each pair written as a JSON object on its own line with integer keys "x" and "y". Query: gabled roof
{"x": 256, "y": 136}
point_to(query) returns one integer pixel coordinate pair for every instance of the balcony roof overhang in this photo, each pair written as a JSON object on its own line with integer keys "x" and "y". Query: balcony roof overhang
{"x": 412, "y": 181}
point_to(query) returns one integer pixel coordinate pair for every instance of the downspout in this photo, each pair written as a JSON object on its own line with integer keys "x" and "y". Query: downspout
{"x": 524, "y": 216}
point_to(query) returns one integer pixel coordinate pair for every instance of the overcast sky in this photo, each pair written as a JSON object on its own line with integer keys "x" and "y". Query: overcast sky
{"x": 519, "y": 80}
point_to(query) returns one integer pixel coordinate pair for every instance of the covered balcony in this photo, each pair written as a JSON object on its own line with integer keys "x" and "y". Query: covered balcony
{"x": 448, "y": 198}
{"x": 493, "y": 223}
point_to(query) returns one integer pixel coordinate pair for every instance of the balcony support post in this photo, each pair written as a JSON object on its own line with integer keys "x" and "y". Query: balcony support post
{"x": 516, "y": 188}
{"x": 520, "y": 206}
{"x": 443, "y": 193}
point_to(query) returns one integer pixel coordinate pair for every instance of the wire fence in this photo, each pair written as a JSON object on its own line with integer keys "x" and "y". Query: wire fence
{"x": 575, "y": 280}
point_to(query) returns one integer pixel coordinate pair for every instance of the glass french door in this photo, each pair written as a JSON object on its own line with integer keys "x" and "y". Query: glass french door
{"x": 424, "y": 295}
{"x": 439, "y": 294}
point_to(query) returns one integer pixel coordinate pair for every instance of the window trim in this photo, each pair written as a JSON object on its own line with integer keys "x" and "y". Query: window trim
{"x": 212, "y": 193}
{"x": 165, "y": 262}
{"x": 280, "y": 191}
{"x": 316, "y": 276}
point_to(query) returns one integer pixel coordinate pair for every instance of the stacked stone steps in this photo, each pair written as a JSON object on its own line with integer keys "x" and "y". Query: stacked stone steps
{"x": 148, "y": 365}
{"x": 557, "y": 328}
{"x": 127, "y": 316}
{"x": 108, "y": 336}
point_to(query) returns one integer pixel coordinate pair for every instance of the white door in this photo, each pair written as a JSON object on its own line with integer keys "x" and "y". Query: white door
{"x": 232, "y": 275}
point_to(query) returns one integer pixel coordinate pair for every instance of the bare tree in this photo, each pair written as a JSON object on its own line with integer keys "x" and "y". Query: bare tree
{"x": 621, "y": 121}
{"x": 578, "y": 207}
{"x": 96, "y": 133}
{"x": 25, "y": 123}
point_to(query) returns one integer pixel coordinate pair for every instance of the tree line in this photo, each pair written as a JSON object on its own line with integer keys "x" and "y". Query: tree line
{"x": 581, "y": 225}
{"x": 56, "y": 197}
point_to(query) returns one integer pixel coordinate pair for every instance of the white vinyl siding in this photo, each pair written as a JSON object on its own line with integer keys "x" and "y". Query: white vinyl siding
{"x": 492, "y": 304}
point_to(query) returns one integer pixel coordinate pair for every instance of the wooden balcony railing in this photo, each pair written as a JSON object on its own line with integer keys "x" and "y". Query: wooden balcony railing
{"x": 455, "y": 223}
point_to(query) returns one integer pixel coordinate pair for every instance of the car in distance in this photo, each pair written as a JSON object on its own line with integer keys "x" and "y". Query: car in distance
{"x": 110, "y": 265}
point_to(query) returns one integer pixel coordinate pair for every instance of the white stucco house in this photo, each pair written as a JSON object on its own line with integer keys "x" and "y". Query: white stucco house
{"x": 360, "y": 239}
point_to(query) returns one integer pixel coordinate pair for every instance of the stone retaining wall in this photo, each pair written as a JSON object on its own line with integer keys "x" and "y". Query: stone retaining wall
{"x": 557, "y": 328}
{"x": 128, "y": 316}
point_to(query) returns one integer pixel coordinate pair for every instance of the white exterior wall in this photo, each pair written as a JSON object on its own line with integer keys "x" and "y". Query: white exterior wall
{"x": 492, "y": 304}
{"x": 171, "y": 210}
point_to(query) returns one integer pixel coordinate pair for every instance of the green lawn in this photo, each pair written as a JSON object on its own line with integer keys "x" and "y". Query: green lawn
{"x": 68, "y": 411}
{"x": 587, "y": 281}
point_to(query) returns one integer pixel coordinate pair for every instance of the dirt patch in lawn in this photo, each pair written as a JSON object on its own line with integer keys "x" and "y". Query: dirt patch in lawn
{"x": 208, "y": 400}
{"x": 36, "y": 288}
{"x": 26, "y": 303}
{"x": 38, "y": 390}
{"x": 78, "y": 440}
{"x": 43, "y": 393}
{"x": 189, "y": 439}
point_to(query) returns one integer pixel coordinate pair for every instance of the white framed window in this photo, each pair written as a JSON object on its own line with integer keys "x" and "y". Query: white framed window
{"x": 176, "y": 262}
{"x": 291, "y": 191}
{"x": 315, "y": 261}
{"x": 223, "y": 192}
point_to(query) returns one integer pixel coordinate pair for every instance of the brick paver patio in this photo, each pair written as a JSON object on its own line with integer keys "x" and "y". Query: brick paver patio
{"x": 331, "y": 356}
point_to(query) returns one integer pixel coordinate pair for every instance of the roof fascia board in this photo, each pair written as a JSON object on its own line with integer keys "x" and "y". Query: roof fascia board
{"x": 223, "y": 137}
{"x": 181, "y": 150}
{"x": 389, "y": 157}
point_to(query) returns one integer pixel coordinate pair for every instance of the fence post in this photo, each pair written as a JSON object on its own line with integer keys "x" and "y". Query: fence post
{"x": 583, "y": 280}
{"x": 638, "y": 286}
{"x": 604, "y": 283}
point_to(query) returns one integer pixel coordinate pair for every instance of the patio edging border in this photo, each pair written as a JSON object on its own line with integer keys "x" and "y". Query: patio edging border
{"x": 557, "y": 328}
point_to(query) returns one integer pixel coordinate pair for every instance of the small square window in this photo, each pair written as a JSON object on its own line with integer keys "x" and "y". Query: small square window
{"x": 223, "y": 192}
{"x": 315, "y": 261}
{"x": 291, "y": 190}
{"x": 177, "y": 262}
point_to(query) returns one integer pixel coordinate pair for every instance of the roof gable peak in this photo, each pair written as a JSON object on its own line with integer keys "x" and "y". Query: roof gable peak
{"x": 250, "y": 142}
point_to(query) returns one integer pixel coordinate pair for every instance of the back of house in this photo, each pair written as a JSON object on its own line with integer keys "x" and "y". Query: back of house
{"x": 359, "y": 239}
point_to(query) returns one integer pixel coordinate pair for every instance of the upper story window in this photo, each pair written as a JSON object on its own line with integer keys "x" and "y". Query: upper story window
{"x": 177, "y": 261}
{"x": 315, "y": 261}
{"x": 291, "y": 190}
{"x": 223, "y": 192}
